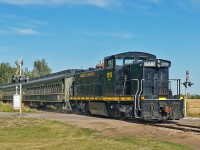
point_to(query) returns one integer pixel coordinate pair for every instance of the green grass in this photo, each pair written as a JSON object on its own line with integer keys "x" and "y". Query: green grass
{"x": 7, "y": 107}
{"x": 31, "y": 134}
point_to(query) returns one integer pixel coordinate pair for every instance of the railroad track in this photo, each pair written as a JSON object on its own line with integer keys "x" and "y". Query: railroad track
{"x": 180, "y": 127}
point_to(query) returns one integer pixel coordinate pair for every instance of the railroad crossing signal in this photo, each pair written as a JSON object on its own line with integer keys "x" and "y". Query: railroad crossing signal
{"x": 186, "y": 84}
{"x": 19, "y": 64}
{"x": 17, "y": 78}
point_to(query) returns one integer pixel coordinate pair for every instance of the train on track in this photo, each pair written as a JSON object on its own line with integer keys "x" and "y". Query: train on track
{"x": 133, "y": 85}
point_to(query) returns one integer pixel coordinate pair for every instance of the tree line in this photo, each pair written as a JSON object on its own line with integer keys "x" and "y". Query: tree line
{"x": 40, "y": 68}
{"x": 193, "y": 96}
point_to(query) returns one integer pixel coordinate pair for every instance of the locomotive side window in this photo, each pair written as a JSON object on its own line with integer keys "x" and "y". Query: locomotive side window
{"x": 128, "y": 61}
{"x": 110, "y": 63}
{"x": 119, "y": 62}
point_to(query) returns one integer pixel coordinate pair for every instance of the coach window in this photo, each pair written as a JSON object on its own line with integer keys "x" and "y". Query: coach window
{"x": 57, "y": 88}
{"x": 51, "y": 88}
{"x": 54, "y": 88}
{"x": 39, "y": 90}
{"x": 42, "y": 90}
{"x": 47, "y": 89}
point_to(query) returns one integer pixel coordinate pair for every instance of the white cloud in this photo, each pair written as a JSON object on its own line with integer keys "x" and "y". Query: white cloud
{"x": 98, "y": 3}
{"x": 19, "y": 25}
{"x": 19, "y": 31}
{"x": 24, "y": 31}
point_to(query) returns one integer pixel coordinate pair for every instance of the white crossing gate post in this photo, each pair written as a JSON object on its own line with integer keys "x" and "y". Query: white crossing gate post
{"x": 16, "y": 101}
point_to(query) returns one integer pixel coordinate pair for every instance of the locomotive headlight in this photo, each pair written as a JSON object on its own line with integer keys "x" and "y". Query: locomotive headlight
{"x": 163, "y": 63}
{"x": 150, "y": 64}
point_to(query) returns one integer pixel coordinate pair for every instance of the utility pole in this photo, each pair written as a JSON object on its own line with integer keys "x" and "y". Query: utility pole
{"x": 186, "y": 84}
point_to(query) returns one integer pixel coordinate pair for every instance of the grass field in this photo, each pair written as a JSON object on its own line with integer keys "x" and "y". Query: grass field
{"x": 31, "y": 134}
{"x": 193, "y": 107}
{"x": 6, "y": 107}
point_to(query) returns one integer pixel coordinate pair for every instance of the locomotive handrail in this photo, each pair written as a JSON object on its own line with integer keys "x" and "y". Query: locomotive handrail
{"x": 178, "y": 85}
{"x": 141, "y": 88}
{"x": 135, "y": 100}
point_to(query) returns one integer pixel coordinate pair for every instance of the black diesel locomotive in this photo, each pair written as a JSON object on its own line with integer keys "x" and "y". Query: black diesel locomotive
{"x": 127, "y": 85}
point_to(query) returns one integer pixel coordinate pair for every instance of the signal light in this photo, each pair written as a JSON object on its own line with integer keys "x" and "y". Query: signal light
{"x": 13, "y": 79}
{"x": 19, "y": 79}
{"x": 185, "y": 84}
{"x": 26, "y": 79}
{"x": 190, "y": 84}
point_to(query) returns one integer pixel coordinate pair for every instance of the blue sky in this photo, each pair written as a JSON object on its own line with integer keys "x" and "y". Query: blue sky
{"x": 75, "y": 33}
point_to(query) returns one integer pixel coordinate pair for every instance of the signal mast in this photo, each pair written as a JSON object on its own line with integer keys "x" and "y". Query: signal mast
{"x": 186, "y": 84}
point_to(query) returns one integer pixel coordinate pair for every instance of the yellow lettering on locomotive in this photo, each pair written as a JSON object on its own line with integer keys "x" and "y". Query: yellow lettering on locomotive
{"x": 109, "y": 74}
{"x": 89, "y": 74}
